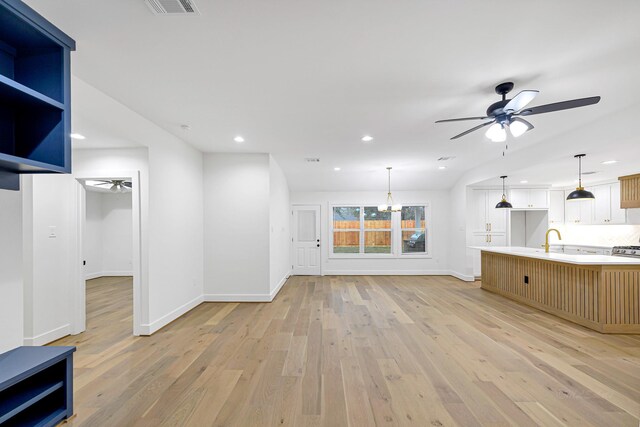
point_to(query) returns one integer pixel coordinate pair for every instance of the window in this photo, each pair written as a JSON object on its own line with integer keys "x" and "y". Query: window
{"x": 413, "y": 226}
{"x": 346, "y": 230}
{"x": 363, "y": 231}
{"x": 377, "y": 231}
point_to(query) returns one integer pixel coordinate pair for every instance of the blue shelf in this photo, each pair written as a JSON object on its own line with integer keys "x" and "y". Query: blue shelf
{"x": 35, "y": 95}
{"x": 24, "y": 397}
{"x": 36, "y": 386}
{"x": 16, "y": 93}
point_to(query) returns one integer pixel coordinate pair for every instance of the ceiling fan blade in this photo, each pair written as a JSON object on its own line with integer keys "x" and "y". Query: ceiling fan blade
{"x": 105, "y": 183}
{"x": 126, "y": 184}
{"x": 520, "y": 101}
{"x": 474, "y": 129}
{"x": 557, "y": 106}
{"x": 462, "y": 119}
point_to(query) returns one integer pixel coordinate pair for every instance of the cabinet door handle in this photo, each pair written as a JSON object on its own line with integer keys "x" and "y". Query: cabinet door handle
{"x": 489, "y": 226}
{"x": 489, "y": 238}
{"x": 486, "y": 238}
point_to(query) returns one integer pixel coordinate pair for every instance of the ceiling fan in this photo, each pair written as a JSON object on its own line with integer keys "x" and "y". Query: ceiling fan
{"x": 509, "y": 113}
{"x": 115, "y": 185}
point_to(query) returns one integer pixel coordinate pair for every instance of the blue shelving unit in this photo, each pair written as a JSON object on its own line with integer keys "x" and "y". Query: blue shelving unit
{"x": 36, "y": 386}
{"x": 35, "y": 96}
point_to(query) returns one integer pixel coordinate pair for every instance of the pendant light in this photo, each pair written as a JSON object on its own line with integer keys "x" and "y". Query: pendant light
{"x": 503, "y": 204}
{"x": 580, "y": 193}
{"x": 389, "y": 206}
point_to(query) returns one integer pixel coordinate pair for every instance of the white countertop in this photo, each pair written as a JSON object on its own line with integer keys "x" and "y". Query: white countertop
{"x": 566, "y": 258}
{"x": 561, "y": 243}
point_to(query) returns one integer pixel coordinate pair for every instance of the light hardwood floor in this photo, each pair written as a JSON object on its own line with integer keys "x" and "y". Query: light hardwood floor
{"x": 358, "y": 351}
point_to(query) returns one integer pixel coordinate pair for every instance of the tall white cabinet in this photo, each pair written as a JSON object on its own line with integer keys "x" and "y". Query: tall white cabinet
{"x": 489, "y": 225}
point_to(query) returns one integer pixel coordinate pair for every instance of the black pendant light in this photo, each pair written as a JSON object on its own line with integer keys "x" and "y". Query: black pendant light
{"x": 580, "y": 193}
{"x": 503, "y": 204}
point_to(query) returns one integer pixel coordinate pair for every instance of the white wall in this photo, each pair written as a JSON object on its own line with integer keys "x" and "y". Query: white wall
{"x": 236, "y": 228}
{"x": 48, "y": 235}
{"x": 280, "y": 224}
{"x": 92, "y": 244}
{"x": 108, "y": 235}
{"x": 11, "y": 278}
{"x": 439, "y": 229}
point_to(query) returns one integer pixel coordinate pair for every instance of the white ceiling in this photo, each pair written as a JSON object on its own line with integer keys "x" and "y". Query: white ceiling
{"x": 301, "y": 78}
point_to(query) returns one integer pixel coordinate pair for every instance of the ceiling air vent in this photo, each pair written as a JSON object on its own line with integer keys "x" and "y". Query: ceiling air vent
{"x": 442, "y": 159}
{"x": 312, "y": 159}
{"x": 172, "y": 7}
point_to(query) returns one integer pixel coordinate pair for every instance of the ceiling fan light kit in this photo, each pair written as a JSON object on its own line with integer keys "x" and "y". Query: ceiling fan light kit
{"x": 508, "y": 113}
{"x": 390, "y": 206}
{"x": 580, "y": 193}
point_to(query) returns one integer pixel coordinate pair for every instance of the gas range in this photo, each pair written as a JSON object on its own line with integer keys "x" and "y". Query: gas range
{"x": 630, "y": 251}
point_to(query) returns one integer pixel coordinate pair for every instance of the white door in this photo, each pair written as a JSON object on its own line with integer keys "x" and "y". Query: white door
{"x": 519, "y": 198}
{"x": 306, "y": 240}
{"x": 497, "y": 218}
{"x": 479, "y": 209}
{"x": 602, "y": 204}
{"x": 556, "y": 207}
{"x": 538, "y": 198}
{"x": 618, "y": 216}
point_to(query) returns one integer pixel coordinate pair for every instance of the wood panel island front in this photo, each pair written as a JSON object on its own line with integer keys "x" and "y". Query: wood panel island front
{"x": 596, "y": 291}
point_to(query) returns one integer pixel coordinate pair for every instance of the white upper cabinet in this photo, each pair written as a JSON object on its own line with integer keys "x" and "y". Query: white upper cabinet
{"x": 607, "y": 204}
{"x": 497, "y": 218}
{"x": 529, "y": 198}
{"x": 486, "y": 218}
{"x": 578, "y": 212}
{"x": 556, "y": 206}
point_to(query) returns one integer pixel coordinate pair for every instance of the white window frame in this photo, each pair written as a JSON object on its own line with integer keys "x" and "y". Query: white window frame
{"x": 396, "y": 233}
{"x": 427, "y": 230}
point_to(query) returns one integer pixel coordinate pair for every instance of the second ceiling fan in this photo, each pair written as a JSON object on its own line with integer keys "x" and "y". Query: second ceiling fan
{"x": 509, "y": 113}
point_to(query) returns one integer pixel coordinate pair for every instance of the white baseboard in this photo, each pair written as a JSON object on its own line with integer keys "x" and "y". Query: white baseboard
{"x": 386, "y": 273}
{"x": 50, "y": 336}
{"x": 247, "y": 297}
{"x": 108, "y": 273}
{"x": 463, "y": 277}
{"x": 237, "y": 298}
{"x": 150, "y": 328}
{"x": 275, "y": 291}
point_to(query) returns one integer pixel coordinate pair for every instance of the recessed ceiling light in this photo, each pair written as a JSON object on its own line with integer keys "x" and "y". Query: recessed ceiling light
{"x": 442, "y": 167}
{"x": 238, "y": 139}
{"x": 336, "y": 169}
{"x": 77, "y": 136}
{"x": 609, "y": 162}
{"x": 524, "y": 181}
{"x": 367, "y": 138}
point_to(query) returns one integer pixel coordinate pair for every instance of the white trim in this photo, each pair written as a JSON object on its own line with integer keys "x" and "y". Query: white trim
{"x": 463, "y": 277}
{"x": 150, "y": 328}
{"x": 140, "y": 295}
{"x": 108, "y": 274}
{"x": 50, "y": 336}
{"x": 237, "y": 298}
{"x": 396, "y": 234}
{"x": 279, "y": 286}
{"x": 387, "y": 273}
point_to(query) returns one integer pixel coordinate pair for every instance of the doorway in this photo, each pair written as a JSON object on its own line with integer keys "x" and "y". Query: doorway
{"x": 107, "y": 291}
{"x": 306, "y": 240}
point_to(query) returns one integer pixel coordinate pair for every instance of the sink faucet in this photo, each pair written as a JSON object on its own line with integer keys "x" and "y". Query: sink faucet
{"x": 546, "y": 239}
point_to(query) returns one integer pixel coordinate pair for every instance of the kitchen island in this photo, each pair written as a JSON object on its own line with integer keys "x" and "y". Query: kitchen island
{"x": 597, "y": 291}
